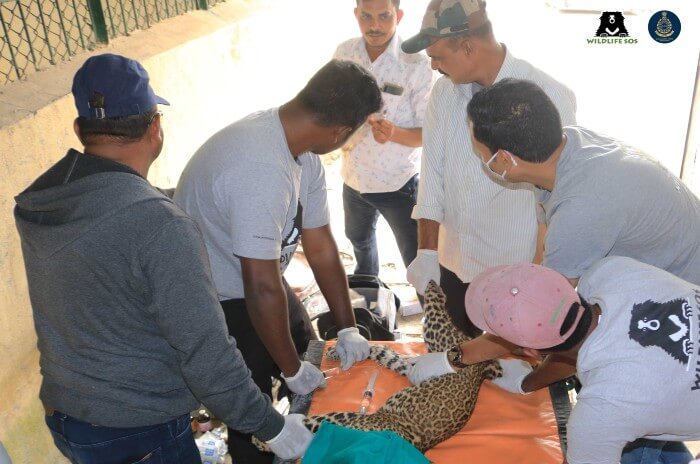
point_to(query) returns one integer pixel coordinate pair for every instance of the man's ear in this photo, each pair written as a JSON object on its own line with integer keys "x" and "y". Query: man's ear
{"x": 466, "y": 45}
{"x": 341, "y": 133}
{"x": 399, "y": 16}
{"x": 512, "y": 157}
{"x": 154, "y": 127}
{"x": 76, "y": 129}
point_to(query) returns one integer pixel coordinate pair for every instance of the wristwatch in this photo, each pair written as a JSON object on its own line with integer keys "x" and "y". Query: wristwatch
{"x": 454, "y": 356}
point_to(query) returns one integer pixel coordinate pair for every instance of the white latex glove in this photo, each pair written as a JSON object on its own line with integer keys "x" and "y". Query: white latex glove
{"x": 427, "y": 366}
{"x": 293, "y": 439}
{"x": 307, "y": 379}
{"x": 351, "y": 347}
{"x": 424, "y": 268}
{"x": 514, "y": 372}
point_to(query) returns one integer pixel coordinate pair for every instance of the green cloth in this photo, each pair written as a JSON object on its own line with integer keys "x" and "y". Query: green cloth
{"x": 334, "y": 444}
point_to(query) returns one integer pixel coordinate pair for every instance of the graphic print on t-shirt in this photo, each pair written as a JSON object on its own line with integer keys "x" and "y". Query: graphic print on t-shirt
{"x": 666, "y": 325}
{"x": 289, "y": 243}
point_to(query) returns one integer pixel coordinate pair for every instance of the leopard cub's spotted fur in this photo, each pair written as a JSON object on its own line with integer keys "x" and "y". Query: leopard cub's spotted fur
{"x": 432, "y": 411}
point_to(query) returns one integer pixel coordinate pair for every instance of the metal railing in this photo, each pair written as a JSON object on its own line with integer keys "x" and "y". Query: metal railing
{"x": 35, "y": 34}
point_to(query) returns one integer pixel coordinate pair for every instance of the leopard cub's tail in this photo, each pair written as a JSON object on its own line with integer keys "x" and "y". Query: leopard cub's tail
{"x": 383, "y": 356}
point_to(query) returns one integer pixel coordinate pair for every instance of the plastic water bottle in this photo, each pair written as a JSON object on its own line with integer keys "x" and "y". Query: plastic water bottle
{"x": 203, "y": 421}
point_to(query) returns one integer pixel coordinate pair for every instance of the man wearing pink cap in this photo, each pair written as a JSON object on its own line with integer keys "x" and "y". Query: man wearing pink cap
{"x": 634, "y": 336}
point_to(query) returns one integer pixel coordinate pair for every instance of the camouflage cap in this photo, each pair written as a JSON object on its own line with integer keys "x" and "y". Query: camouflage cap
{"x": 446, "y": 18}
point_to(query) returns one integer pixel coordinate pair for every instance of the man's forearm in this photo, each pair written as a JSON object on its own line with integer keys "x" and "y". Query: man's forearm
{"x": 268, "y": 312}
{"x": 428, "y": 232}
{"x": 484, "y": 348}
{"x": 408, "y": 136}
{"x": 322, "y": 254}
{"x": 553, "y": 369}
{"x": 266, "y": 303}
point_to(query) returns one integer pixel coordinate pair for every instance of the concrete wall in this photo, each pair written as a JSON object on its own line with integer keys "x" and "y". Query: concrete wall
{"x": 214, "y": 67}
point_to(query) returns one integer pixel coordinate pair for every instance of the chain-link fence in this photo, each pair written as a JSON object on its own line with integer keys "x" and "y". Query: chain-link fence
{"x": 35, "y": 34}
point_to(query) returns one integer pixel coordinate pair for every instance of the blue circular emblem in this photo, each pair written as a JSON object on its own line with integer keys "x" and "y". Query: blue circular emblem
{"x": 664, "y": 26}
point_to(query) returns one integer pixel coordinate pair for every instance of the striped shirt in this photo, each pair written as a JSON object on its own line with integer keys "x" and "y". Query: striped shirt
{"x": 484, "y": 222}
{"x": 371, "y": 167}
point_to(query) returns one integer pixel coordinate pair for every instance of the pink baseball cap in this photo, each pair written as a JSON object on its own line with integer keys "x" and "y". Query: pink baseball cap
{"x": 524, "y": 303}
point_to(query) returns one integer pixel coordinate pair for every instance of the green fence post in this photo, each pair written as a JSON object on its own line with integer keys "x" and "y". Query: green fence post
{"x": 13, "y": 58}
{"x": 203, "y": 4}
{"x": 98, "y": 21}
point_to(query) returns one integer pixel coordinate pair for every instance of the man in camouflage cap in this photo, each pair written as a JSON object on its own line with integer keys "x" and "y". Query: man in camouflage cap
{"x": 457, "y": 195}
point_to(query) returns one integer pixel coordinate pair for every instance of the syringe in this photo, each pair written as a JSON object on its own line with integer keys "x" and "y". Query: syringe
{"x": 368, "y": 393}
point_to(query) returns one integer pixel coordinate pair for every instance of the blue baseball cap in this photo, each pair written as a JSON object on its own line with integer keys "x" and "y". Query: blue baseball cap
{"x": 110, "y": 86}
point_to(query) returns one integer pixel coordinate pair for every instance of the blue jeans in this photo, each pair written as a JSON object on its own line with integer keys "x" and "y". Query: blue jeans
{"x": 361, "y": 213}
{"x": 643, "y": 451}
{"x": 83, "y": 443}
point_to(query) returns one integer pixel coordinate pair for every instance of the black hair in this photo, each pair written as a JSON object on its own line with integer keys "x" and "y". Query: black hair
{"x": 397, "y": 3}
{"x": 581, "y": 328}
{"x": 120, "y": 130}
{"x": 516, "y": 115}
{"x": 341, "y": 93}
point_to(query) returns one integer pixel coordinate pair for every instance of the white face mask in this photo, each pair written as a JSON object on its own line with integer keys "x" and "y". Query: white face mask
{"x": 487, "y": 164}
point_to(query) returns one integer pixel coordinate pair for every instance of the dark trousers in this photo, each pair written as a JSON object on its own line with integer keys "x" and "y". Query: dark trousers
{"x": 361, "y": 213}
{"x": 258, "y": 359}
{"x": 454, "y": 290}
{"x": 84, "y": 443}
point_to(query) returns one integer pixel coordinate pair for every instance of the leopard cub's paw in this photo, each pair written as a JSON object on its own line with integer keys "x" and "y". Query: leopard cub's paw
{"x": 332, "y": 354}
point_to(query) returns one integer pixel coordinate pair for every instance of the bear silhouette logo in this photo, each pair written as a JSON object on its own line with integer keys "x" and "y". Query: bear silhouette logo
{"x": 665, "y": 325}
{"x": 612, "y": 24}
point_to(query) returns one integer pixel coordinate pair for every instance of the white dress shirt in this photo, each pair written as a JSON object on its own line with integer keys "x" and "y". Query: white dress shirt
{"x": 371, "y": 167}
{"x": 484, "y": 222}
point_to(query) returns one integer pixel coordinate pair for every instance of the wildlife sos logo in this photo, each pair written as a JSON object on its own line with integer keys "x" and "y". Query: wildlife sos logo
{"x": 667, "y": 325}
{"x": 612, "y": 24}
{"x": 664, "y": 26}
{"x": 612, "y": 30}
{"x": 291, "y": 240}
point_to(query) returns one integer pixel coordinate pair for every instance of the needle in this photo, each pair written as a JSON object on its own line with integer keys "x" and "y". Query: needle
{"x": 368, "y": 393}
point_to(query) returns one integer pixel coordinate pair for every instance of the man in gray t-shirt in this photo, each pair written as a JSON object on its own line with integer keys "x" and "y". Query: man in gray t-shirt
{"x": 633, "y": 335}
{"x": 257, "y": 189}
{"x": 598, "y": 196}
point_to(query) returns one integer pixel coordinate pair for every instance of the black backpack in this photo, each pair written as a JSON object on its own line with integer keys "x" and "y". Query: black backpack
{"x": 373, "y": 324}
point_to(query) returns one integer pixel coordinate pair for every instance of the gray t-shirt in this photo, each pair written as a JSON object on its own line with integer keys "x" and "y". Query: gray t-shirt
{"x": 251, "y": 198}
{"x": 640, "y": 367}
{"x": 609, "y": 199}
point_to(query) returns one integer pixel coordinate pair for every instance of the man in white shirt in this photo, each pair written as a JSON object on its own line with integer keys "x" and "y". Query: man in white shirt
{"x": 634, "y": 336}
{"x": 380, "y": 162}
{"x": 458, "y": 233}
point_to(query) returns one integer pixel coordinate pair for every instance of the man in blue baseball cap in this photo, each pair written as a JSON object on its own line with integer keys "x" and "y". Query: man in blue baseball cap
{"x": 130, "y": 331}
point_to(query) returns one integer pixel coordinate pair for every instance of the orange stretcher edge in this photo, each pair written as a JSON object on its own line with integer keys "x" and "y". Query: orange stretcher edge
{"x": 505, "y": 428}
